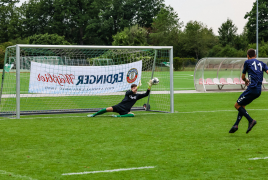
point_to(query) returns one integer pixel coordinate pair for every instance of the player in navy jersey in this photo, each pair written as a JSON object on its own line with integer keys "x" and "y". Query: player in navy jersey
{"x": 255, "y": 69}
{"x": 123, "y": 108}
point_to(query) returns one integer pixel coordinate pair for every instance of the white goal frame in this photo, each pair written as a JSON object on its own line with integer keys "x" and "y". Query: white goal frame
{"x": 19, "y": 46}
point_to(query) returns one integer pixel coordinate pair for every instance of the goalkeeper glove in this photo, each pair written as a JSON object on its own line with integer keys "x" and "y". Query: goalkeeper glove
{"x": 139, "y": 85}
{"x": 150, "y": 83}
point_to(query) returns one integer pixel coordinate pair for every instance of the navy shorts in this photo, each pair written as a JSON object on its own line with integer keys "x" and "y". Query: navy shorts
{"x": 248, "y": 96}
{"x": 119, "y": 110}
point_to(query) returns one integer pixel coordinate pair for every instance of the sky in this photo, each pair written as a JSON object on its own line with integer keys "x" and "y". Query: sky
{"x": 211, "y": 12}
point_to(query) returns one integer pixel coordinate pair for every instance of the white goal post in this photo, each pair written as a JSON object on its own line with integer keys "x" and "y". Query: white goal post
{"x": 44, "y": 79}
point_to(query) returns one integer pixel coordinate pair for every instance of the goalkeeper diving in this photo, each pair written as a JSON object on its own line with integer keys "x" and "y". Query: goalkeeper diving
{"x": 123, "y": 108}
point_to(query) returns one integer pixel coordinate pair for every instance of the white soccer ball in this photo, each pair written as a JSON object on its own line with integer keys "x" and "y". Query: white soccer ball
{"x": 155, "y": 81}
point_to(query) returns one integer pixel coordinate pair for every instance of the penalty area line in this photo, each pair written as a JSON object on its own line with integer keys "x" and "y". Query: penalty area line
{"x": 257, "y": 158}
{"x": 220, "y": 111}
{"x": 15, "y": 175}
{"x": 113, "y": 170}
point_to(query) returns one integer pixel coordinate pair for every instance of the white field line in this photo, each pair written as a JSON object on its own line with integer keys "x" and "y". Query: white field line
{"x": 192, "y": 112}
{"x": 15, "y": 175}
{"x": 257, "y": 158}
{"x": 174, "y": 75}
{"x": 184, "y": 78}
{"x": 189, "y": 78}
{"x": 113, "y": 170}
{"x": 105, "y": 94}
{"x": 222, "y": 111}
{"x": 190, "y": 89}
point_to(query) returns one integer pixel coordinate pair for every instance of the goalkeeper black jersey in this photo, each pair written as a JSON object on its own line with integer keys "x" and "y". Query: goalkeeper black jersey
{"x": 130, "y": 99}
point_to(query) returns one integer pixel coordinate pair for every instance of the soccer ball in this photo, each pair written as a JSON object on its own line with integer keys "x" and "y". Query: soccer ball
{"x": 155, "y": 81}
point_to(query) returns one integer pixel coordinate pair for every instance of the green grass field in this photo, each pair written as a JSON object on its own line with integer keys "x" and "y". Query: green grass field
{"x": 192, "y": 143}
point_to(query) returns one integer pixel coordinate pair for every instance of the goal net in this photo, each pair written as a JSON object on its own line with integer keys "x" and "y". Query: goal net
{"x": 40, "y": 79}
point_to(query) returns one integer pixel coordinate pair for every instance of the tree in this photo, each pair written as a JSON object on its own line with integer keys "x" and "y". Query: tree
{"x": 133, "y": 36}
{"x": 37, "y": 16}
{"x": 227, "y": 33}
{"x": 226, "y": 51}
{"x": 215, "y": 51}
{"x": 115, "y": 15}
{"x": 263, "y": 48}
{"x": 3, "y": 47}
{"x": 8, "y": 16}
{"x": 48, "y": 39}
{"x": 165, "y": 26}
{"x": 262, "y": 23}
{"x": 19, "y": 41}
{"x": 197, "y": 39}
{"x": 67, "y": 18}
{"x": 146, "y": 10}
{"x": 241, "y": 41}
{"x": 87, "y": 21}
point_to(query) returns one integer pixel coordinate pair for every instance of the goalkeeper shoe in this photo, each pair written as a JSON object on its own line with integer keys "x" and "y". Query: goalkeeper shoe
{"x": 250, "y": 126}
{"x": 90, "y": 115}
{"x": 114, "y": 116}
{"x": 233, "y": 129}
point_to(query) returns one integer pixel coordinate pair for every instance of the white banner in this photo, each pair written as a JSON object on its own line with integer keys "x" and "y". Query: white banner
{"x": 60, "y": 79}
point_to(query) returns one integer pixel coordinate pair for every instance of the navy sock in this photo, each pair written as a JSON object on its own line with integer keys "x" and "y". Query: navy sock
{"x": 245, "y": 113}
{"x": 239, "y": 117}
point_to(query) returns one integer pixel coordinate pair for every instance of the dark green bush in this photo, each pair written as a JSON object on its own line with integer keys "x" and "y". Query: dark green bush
{"x": 180, "y": 63}
{"x": 48, "y": 39}
{"x": 3, "y": 47}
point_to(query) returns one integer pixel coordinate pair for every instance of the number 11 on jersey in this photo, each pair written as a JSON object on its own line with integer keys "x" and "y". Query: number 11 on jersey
{"x": 256, "y": 66}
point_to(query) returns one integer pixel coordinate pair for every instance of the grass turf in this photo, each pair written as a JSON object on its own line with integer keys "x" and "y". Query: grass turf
{"x": 192, "y": 143}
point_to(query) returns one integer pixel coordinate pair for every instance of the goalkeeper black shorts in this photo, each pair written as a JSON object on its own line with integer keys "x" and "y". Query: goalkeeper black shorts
{"x": 119, "y": 110}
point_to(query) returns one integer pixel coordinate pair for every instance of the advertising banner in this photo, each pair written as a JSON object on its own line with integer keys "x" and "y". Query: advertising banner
{"x": 61, "y": 79}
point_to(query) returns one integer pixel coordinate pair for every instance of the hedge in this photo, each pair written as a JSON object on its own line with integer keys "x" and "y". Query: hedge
{"x": 179, "y": 63}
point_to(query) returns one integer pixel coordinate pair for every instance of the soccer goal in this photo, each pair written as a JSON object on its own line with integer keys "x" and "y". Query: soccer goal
{"x": 43, "y": 79}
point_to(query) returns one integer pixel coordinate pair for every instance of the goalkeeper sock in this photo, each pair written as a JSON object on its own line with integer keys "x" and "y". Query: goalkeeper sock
{"x": 239, "y": 117}
{"x": 100, "y": 112}
{"x": 245, "y": 113}
{"x": 126, "y": 115}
